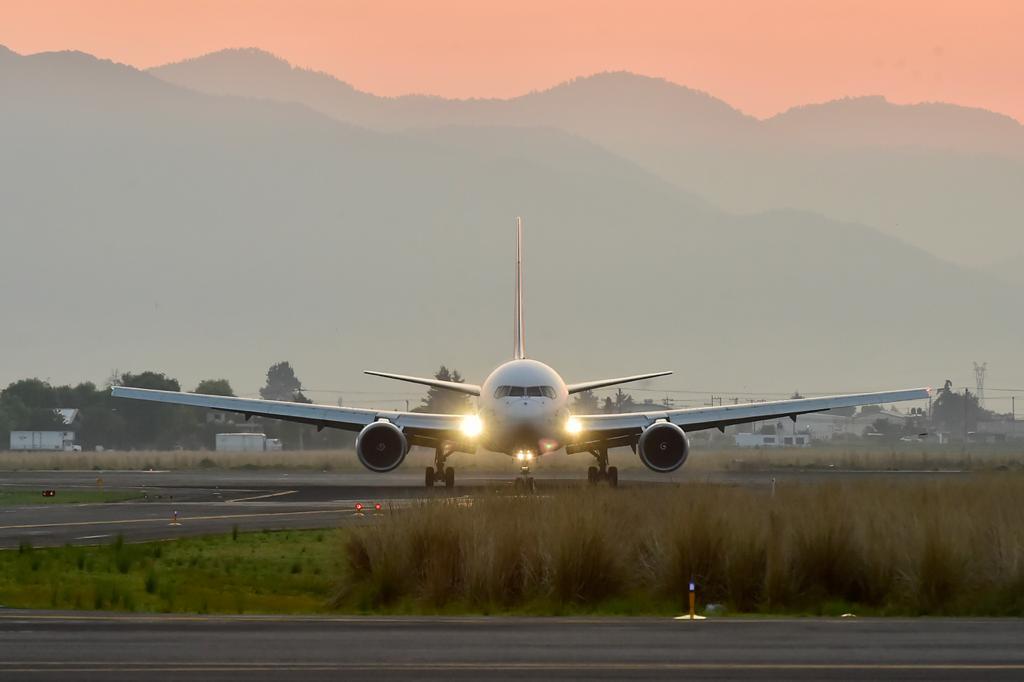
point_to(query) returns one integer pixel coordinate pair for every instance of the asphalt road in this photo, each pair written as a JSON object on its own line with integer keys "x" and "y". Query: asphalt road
{"x": 41, "y": 646}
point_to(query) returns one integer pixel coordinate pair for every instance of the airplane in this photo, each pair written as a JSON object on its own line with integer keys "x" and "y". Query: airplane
{"x": 523, "y": 411}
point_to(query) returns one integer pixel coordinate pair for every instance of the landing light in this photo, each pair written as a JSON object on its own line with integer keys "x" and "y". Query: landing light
{"x": 471, "y": 426}
{"x": 524, "y": 455}
{"x": 573, "y": 426}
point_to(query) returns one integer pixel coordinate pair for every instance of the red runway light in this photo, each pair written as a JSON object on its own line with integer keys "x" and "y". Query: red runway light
{"x": 377, "y": 506}
{"x": 359, "y": 506}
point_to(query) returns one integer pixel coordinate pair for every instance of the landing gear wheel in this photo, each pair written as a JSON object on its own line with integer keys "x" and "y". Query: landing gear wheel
{"x": 429, "y": 477}
{"x": 613, "y": 477}
{"x": 592, "y": 475}
{"x": 449, "y": 478}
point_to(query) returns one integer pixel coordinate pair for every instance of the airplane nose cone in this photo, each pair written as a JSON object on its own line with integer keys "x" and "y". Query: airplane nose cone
{"x": 526, "y": 410}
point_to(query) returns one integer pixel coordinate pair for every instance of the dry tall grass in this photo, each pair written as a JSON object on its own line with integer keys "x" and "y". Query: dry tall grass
{"x": 945, "y": 547}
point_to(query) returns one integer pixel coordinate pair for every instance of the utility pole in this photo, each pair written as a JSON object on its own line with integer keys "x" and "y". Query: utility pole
{"x": 979, "y": 382}
{"x": 963, "y": 404}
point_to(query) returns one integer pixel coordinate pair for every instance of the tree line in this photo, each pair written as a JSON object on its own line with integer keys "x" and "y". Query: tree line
{"x": 118, "y": 424}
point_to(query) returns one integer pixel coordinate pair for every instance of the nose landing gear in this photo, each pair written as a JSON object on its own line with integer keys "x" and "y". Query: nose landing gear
{"x": 525, "y": 482}
{"x": 439, "y": 472}
{"x": 602, "y": 472}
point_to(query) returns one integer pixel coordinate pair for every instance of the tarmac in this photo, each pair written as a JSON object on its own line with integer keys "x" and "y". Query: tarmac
{"x": 40, "y": 645}
{"x": 199, "y": 502}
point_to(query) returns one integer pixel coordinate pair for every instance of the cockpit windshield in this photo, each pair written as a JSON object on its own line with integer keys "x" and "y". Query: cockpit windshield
{"x": 524, "y": 392}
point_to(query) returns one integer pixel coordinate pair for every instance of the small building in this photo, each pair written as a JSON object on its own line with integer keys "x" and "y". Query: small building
{"x": 771, "y": 440}
{"x": 863, "y": 423}
{"x": 999, "y": 430}
{"x": 51, "y": 439}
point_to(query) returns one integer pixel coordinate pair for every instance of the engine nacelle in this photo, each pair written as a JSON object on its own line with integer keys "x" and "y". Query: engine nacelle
{"x": 381, "y": 446}
{"x": 663, "y": 447}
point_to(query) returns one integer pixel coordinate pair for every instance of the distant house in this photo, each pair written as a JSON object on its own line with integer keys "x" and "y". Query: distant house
{"x": 863, "y": 423}
{"x": 820, "y": 426}
{"x": 999, "y": 430}
{"x": 817, "y": 425}
{"x": 770, "y": 440}
{"x": 49, "y": 440}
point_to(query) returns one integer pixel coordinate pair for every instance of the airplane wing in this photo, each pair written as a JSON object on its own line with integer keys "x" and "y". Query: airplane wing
{"x": 614, "y": 430}
{"x": 421, "y": 429}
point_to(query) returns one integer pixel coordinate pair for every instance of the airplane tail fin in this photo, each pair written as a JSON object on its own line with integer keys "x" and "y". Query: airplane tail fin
{"x": 520, "y": 342}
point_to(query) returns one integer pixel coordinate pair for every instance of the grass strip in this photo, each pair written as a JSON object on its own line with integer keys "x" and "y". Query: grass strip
{"x": 279, "y": 572}
{"x": 20, "y": 497}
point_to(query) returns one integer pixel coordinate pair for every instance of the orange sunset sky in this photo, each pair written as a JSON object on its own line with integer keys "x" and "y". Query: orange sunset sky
{"x": 760, "y": 56}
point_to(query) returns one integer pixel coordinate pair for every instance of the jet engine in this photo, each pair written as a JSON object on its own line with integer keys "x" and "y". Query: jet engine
{"x": 381, "y": 446}
{"x": 663, "y": 447}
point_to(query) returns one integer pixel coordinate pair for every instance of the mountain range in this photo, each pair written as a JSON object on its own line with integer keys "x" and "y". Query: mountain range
{"x": 153, "y": 225}
{"x": 945, "y": 178}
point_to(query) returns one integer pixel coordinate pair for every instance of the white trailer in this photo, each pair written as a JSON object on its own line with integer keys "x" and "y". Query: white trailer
{"x": 241, "y": 442}
{"x": 43, "y": 440}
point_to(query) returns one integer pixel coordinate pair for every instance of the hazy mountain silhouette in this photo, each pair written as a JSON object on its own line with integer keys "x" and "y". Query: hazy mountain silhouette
{"x": 1010, "y": 269}
{"x": 942, "y": 177}
{"x": 874, "y": 121}
{"x": 150, "y": 226}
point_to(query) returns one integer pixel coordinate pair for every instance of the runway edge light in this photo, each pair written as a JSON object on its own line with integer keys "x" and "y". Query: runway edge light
{"x": 692, "y": 615}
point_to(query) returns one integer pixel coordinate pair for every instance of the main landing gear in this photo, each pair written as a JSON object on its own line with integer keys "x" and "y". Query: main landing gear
{"x": 602, "y": 472}
{"x": 439, "y": 472}
{"x": 525, "y": 482}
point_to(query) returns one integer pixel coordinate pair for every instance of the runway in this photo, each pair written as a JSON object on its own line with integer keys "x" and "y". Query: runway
{"x": 44, "y": 645}
{"x": 215, "y": 501}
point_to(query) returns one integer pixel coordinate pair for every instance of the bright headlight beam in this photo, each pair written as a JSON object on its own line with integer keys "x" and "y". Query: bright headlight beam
{"x": 573, "y": 425}
{"x": 471, "y": 426}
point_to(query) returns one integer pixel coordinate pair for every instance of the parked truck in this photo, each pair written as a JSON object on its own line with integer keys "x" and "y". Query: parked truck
{"x": 44, "y": 440}
{"x": 246, "y": 442}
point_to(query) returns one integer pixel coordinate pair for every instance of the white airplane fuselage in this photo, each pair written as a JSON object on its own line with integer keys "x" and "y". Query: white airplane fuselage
{"x": 524, "y": 409}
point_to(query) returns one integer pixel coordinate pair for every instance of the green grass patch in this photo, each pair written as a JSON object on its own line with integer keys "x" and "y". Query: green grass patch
{"x": 15, "y": 498}
{"x": 279, "y": 572}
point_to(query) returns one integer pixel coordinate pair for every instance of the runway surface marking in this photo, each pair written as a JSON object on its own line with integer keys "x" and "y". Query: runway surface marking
{"x": 93, "y": 537}
{"x": 249, "y": 666}
{"x": 155, "y": 519}
{"x": 8, "y": 615}
{"x": 262, "y": 497}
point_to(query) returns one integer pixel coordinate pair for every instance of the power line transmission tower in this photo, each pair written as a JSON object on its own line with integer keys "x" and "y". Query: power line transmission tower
{"x": 979, "y": 382}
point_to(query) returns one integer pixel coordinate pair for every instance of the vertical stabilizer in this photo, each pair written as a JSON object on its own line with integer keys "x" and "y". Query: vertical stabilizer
{"x": 520, "y": 342}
